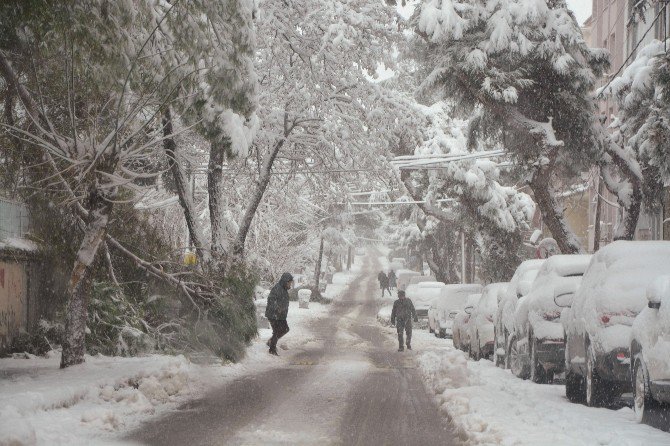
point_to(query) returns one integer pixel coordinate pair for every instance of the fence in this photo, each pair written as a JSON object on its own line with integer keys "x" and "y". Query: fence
{"x": 14, "y": 221}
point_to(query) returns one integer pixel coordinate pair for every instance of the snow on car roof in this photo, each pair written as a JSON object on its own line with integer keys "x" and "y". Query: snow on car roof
{"x": 524, "y": 274}
{"x": 473, "y": 299}
{"x": 431, "y": 284}
{"x": 489, "y": 299}
{"x": 619, "y": 274}
{"x": 566, "y": 264}
{"x": 454, "y": 296}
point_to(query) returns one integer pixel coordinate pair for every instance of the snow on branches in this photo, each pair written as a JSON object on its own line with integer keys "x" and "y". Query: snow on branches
{"x": 522, "y": 72}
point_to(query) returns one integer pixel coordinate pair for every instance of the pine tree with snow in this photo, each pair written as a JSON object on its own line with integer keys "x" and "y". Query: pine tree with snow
{"x": 522, "y": 69}
{"x": 641, "y": 133}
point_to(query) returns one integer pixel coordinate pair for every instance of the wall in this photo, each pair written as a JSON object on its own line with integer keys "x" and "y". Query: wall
{"x": 14, "y": 302}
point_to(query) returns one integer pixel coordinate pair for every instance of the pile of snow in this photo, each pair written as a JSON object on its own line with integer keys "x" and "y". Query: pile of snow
{"x": 41, "y": 404}
{"x": 488, "y": 405}
{"x": 384, "y": 315}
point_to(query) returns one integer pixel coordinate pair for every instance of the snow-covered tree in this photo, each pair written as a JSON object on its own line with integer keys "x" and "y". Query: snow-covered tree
{"x": 523, "y": 73}
{"x": 641, "y": 132}
{"x": 466, "y": 196}
{"x": 315, "y": 97}
{"x": 93, "y": 81}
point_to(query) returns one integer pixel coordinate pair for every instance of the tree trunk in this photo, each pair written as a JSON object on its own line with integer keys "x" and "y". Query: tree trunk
{"x": 469, "y": 259}
{"x": 597, "y": 228}
{"x": 215, "y": 190}
{"x": 552, "y": 215}
{"x": 349, "y": 258}
{"x": 181, "y": 183}
{"x": 317, "y": 269}
{"x": 79, "y": 287}
{"x": 631, "y": 214}
{"x": 250, "y": 211}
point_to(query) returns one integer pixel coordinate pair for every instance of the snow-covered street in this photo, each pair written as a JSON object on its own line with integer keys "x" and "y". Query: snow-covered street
{"x": 343, "y": 384}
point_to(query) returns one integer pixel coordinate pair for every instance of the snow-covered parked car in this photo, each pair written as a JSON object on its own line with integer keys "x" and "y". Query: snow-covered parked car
{"x": 403, "y": 277}
{"x": 422, "y": 295}
{"x": 503, "y": 321}
{"x": 460, "y": 333}
{"x": 420, "y": 279}
{"x": 538, "y": 337}
{"x": 650, "y": 352}
{"x": 481, "y": 321}
{"x": 443, "y": 310}
{"x": 599, "y": 323}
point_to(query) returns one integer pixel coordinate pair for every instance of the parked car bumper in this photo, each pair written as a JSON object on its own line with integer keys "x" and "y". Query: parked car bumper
{"x": 551, "y": 354}
{"x": 487, "y": 349}
{"x": 615, "y": 366}
{"x": 661, "y": 390}
{"x": 446, "y": 333}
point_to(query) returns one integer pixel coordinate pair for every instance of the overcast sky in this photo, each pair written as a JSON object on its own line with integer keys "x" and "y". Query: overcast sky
{"x": 581, "y": 8}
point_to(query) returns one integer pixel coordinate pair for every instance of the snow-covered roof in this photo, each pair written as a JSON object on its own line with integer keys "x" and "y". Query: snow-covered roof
{"x": 18, "y": 244}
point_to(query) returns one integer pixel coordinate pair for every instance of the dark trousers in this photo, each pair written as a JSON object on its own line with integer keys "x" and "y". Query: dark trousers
{"x": 386, "y": 288}
{"x": 404, "y": 326}
{"x": 279, "y": 329}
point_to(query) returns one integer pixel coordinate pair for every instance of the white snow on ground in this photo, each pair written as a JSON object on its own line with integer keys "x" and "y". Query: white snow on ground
{"x": 342, "y": 279}
{"x": 41, "y": 404}
{"x": 106, "y": 396}
{"x": 490, "y": 406}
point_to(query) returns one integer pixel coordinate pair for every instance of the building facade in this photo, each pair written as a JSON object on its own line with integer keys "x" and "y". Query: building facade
{"x": 20, "y": 274}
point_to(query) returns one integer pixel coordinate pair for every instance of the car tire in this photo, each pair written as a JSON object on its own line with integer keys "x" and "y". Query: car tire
{"x": 643, "y": 403}
{"x": 508, "y": 348}
{"x": 575, "y": 391}
{"x": 497, "y": 359}
{"x": 598, "y": 391}
{"x": 515, "y": 360}
{"x": 537, "y": 373}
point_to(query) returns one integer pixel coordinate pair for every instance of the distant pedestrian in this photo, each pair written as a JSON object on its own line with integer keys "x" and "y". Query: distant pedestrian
{"x": 392, "y": 280}
{"x": 277, "y": 310}
{"x": 401, "y": 316}
{"x": 383, "y": 282}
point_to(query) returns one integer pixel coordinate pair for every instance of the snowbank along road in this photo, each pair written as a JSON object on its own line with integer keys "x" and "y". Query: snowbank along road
{"x": 349, "y": 388}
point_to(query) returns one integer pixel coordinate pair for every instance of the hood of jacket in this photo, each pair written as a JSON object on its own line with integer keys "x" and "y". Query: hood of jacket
{"x": 285, "y": 278}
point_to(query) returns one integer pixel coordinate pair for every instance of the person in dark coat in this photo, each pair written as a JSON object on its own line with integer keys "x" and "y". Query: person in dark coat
{"x": 401, "y": 316}
{"x": 277, "y": 310}
{"x": 392, "y": 280}
{"x": 383, "y": 282}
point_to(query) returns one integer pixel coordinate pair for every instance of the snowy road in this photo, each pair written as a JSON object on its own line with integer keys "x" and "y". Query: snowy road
{"x": 350, "y": 387}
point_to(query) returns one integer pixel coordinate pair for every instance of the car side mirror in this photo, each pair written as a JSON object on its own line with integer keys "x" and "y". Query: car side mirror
{"x": 564, "y": 300}
{"x": 468, "y": 310}
{"x": 658, "y": 291}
